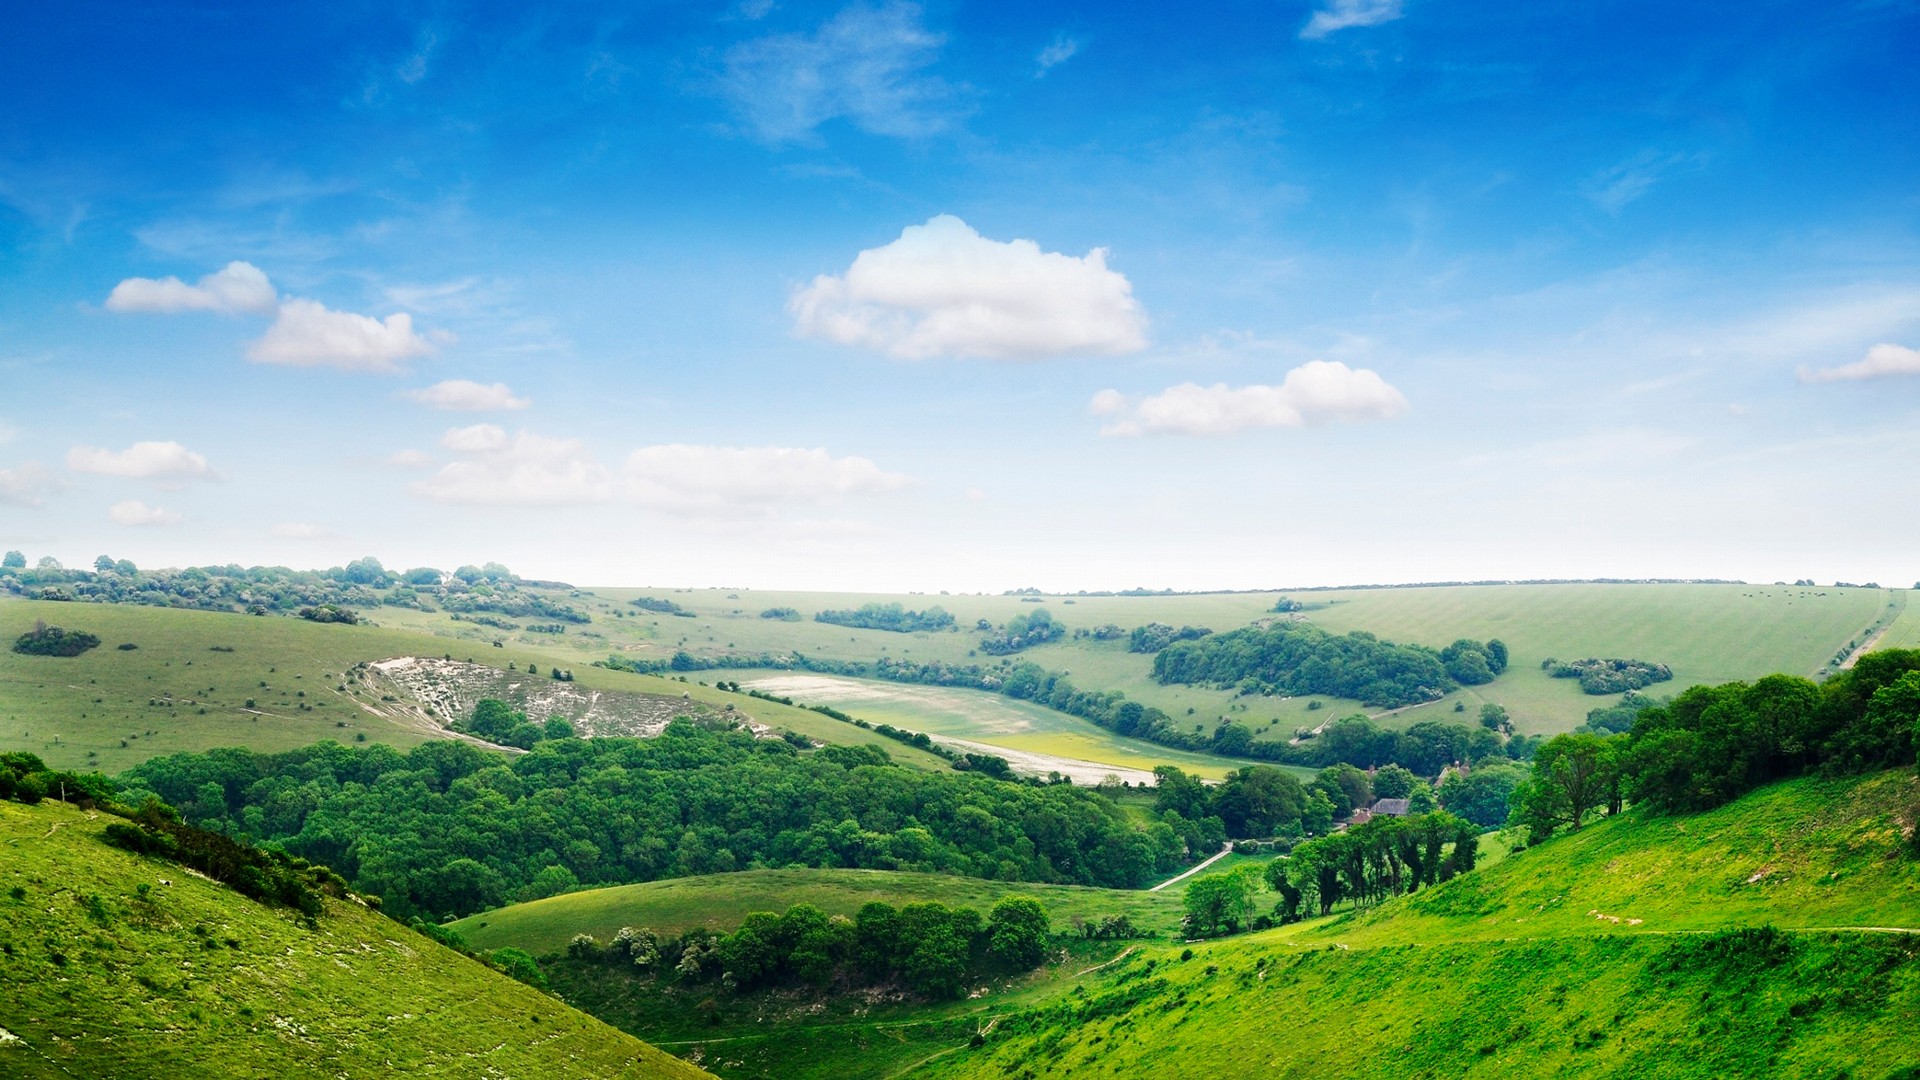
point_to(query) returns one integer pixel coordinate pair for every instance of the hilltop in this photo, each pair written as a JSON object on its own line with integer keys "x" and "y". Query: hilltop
{"x": 114, "y": 965}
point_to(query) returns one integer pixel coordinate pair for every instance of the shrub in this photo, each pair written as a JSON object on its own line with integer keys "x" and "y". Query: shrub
{"x": 44, "y": 640}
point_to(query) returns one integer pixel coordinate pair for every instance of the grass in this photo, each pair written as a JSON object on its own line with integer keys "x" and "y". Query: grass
{"x": 111, "y": 965}
{"x": 187, "y": 684}
{"x": 722, "y": 901}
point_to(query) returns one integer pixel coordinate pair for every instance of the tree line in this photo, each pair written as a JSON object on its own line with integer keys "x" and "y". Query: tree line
{"x": 1711, "y": 744}
{"x": 892, "y": 617}
{"x": 1300, "y": 659}
{"x": 452, "y": 829}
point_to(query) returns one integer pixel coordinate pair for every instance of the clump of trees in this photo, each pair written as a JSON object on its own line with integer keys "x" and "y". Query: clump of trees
{"x": 1153, "y": 637}
{"x": 451, "y": 828}
{"x": 784, "y": 614}
{"x": 1712, "y": 744}
{"x": 1022, "y": 632}
{"x": 931, "y": 949}
{"x": 497, "y": 722}
{"x": 892, "y": 617}
{"x": 271, "y": 877}
{"x": 663, "y": 607}
{"x": 329, "y": 613}
{"x": 1300, "y": 658}
{"x": 1383, "y": 858}
{"x": 44, "y": 640}
{"x": 1612, "y": 676}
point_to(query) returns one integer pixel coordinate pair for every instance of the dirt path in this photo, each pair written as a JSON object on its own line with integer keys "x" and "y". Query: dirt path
{"x": 1225, "y": 850}
{"x": 1035, "y": 764}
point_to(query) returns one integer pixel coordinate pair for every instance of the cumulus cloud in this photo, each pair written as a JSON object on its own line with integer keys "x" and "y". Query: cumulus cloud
{"x": 162, "y": 461}
{"x": 1347, "y": 14}
{"x": 135, "y": 512}
{"x": 691, "y": 478}
{"x": 1317, "y": 392}
{"x": 26, "y": 485}
{"x": 1061, "y": 51}
{"x": 1883, "y": 360}
{"x": 462, "y": 395}
{"x": 528, "y": 469}
{"x": 942, "y": 289}
{"x": 523, "y": 470}
{"x": 237, "y": 288}
{"x": 865, "y": 65}
{"x": 309, "y": 334}
{"x": 299, "y": 530}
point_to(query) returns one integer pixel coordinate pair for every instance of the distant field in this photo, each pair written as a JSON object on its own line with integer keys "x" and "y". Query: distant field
{"x": 107, "y": 708}
{"x": 722, "y": 901}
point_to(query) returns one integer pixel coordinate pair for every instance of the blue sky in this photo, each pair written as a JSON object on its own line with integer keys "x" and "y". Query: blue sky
{"x": 893, "y": 296}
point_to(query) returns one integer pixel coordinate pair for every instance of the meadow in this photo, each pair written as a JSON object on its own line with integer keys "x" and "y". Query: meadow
{"x": 115, "y": 965}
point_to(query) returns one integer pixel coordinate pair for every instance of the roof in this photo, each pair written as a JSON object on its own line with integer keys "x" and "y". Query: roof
{"x": 1390, "y": 807}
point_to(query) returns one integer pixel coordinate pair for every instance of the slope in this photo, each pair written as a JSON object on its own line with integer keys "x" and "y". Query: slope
{"x": 1771, "y": 942}
{"x": 111, "y": 965}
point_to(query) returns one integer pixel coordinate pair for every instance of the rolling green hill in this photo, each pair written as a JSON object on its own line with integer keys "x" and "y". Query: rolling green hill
{"x": 112, "y": 965}
{"x": 1777, "y": 936}
{"x": 187, "y": 685}
{"x": 722, "y": 901}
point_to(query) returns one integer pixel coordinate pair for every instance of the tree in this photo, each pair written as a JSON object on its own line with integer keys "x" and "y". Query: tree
{"x": 13, "y": 560}
{"x": 520, "y": 965}
{"x": 1393, "y": 782}
{"x": 1259, "y": 800}
{"x": 1494, "y": 718}
{"x": 1572, "y": 776}
{"x": 1221, "y": 903}
{"x": 1017, "y": 930}
{"x": 1481, "y": 795}
{"x": 557, "y": 728}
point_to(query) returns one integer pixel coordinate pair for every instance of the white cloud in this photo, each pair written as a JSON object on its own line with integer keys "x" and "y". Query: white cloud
{"x": 478, "y": 439}
{"x": 309, "y": 334}
{"x": 462, "y": 395}
{"x": 1881, "y": 361}
{"x": 524, "y": 470}
{"x": 864, "y": 65}
{"x": 942, "y": 289}
{"x": 135, "y": 512}
{"x": 410, "y": 459}
{"x": 1061, "y": 51}
{"x": 300, "y": 530}
{"x": 1316, "y": 392}
{"x": 26, "y": 485}
{"x": 1346, "y": 14}
{"x": 688, "y": 478}
{"x": 239, "y": 287}
{"x": 163, "y": 461}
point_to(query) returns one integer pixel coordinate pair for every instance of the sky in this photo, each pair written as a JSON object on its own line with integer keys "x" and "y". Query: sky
{"x": 890, "y": 297}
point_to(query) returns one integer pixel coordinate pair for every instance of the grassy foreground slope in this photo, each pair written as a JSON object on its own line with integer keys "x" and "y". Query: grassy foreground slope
{"x": 188, "y": 978}
{"x": 1754, "y": 958}
{"x": 722, "y": 901}
{"x": 188, "y": 683}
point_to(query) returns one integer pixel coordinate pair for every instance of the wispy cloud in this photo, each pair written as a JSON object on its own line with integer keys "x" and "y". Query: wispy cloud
{"x": 26, "y": 485}
{"x": 1059, "y": 52}
{"x": 462, "y": 395}
{"x": 167, "y": 462}
{"x": 866, "y": 65}
{"x": 1347, "y": 14}
{"x": 942, "y": 289}
{"x": 1615, "y": 186}
{"x": 1317, "y": 392}
{"x": 1881, "y": 361}
{"x": 133, "y": 512}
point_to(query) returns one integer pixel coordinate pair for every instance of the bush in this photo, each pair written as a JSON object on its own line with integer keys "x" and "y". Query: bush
{"x": 44, "y": 640}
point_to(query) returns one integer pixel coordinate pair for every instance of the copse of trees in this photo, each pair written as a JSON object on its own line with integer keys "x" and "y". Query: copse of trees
{"x": 498, "y": 722}
{"x": 1383, "y": 858}
{"x": 1300, "y": 658}
{"x": 44, "y": 640}
{"x": 783, "y": 614}
{"x": 660, "y": 606}
{"x": 452, "y": 829}
{"x": 1153, "y": 637}
{"x": 1022, "y": 632}
{"x": 1711, "y": 744}
{"x": 1612, "y": 676}
{"x": 892, "y": 617}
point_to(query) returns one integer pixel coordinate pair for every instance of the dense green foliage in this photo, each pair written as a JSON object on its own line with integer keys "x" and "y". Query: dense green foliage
{"x": 452, "y": 829}
{"x": 329, "y": 613}
{"x": 892, "y": 617}
{"x": 497, "y": 722}
{"x": 1371, "y": 862}
{"x": 1608, "y": 676}
{"x": 783, "y": 614}
{"x": 44, "y": 640}
{"x": 271, "y": 877}
{"x": 1300, "y": 658}
{"x": 1022, "y": 632}
{"x": 1153, "y": 637}
{"x": 1712, "y": 744}
{"x": 660, "y": 606}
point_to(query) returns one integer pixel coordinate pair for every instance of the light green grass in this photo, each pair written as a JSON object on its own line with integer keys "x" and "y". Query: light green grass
{"x": 722, "y": 901}
{"x": 193, "y": 979}
{"x": 75, "y": 712}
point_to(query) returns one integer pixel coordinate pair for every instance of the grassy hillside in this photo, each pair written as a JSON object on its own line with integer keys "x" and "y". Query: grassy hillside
{"x": 1520, "y": 969}
{"x": 111, "y": 965}
{"x": 721, "y": 901}
{"x": 187, "y": 684}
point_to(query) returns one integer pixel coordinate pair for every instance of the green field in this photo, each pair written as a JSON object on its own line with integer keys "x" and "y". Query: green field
{"x": 722, "y": 901}
{"x": 187, "y": 684}
{"x": 1519, "y": 969}
{"x": 188, "y": 978}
